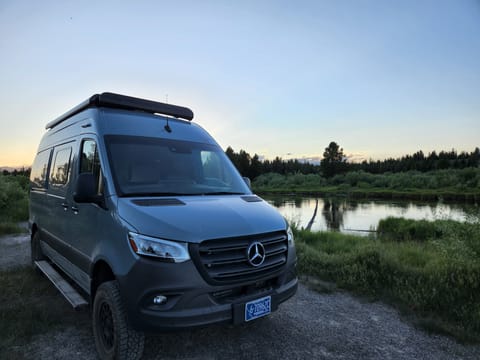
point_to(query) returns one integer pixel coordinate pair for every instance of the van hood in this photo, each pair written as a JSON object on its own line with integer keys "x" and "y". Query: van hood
{"x": 197, "y": 218}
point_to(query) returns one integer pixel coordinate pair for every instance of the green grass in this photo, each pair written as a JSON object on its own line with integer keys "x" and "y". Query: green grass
{"x": 13, "y": 203}
{"x": 433, "y": 270}
{"x": 13, "y": 198}
{"x": 451, "y": 185}
{"x": 30, "y": 305}
{"x": 10, "y": 228}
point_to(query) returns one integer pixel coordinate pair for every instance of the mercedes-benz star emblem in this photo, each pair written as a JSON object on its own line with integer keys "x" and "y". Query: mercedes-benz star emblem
{"x": 256, "y": 254}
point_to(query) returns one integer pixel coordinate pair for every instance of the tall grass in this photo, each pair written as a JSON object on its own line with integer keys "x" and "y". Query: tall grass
{"x": 13, "y": 202}
{"x": 432, "y": 268}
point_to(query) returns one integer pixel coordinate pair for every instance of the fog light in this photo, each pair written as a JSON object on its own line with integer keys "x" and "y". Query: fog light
{"x": 159, "y": 300}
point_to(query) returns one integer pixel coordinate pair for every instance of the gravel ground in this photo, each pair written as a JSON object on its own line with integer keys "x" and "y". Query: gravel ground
{"x": 15, "y": 251}
{"x": 309, "y": 326}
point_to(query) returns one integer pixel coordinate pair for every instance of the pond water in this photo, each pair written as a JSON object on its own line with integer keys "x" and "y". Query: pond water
{"x": 362, "y": 216}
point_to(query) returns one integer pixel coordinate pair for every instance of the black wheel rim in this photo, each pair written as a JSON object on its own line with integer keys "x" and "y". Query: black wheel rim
{"x": 105, "y": 323}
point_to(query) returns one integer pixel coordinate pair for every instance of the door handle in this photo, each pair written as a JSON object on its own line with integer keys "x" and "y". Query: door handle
{"x": 65, "y": 206}
{"x": 75, "y": 210}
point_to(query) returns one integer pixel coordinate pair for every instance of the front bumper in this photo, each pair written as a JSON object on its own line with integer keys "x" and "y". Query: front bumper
{"x": 192, "y": 302}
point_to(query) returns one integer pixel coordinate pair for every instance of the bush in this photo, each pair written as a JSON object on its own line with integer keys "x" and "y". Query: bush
{"x": 13, "y": 198}
{"x": 400, "y": 229}
{"x": 429, "y": 267}
{"x": 451, "y": 184}
{"x": 291, "y": 181}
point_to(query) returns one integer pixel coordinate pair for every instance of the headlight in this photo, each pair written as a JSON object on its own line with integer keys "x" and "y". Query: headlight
{"x": 165, "y": 250}
{"x": 291, "y": 241}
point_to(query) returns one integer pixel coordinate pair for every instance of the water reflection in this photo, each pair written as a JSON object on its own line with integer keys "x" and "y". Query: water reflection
{"x": 356, "y": 216}
{"x": 333, "y": 214}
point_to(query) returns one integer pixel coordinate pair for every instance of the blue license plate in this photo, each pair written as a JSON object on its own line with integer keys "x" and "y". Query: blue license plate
{"x": 258, "y": 308}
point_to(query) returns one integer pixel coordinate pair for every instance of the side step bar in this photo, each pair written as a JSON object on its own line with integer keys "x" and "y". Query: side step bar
{"x": 72, "y": 295}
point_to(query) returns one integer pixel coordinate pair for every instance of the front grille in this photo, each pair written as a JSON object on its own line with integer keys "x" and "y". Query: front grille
{"x": 225, "y": 260}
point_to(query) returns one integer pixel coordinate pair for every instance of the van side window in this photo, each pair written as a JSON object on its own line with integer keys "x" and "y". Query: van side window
{"x": 90, "y": 162}
{"x": 39, "y": 172}
{"x": 61, "y": 167}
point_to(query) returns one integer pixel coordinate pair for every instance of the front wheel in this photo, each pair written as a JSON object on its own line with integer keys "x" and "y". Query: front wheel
{"x": 114, "y": 338}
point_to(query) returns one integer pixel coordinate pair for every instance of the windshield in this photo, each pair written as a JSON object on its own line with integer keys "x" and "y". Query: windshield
{"x": 143, "y": 166}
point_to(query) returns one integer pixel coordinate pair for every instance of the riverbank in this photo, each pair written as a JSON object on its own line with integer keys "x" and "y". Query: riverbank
{"x": 447, "y": 195}
{"x": 446, "y": 185}
{"x": 431, "y": 269}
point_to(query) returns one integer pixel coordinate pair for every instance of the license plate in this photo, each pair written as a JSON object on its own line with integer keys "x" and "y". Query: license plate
{"x": 258, "y": 308}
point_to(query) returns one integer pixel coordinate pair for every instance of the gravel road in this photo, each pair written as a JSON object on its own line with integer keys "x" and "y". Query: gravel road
{"x": 309, "y": 326}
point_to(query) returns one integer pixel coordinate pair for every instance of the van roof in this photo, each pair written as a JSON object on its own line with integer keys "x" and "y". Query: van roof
{"x": 118, "y": 101}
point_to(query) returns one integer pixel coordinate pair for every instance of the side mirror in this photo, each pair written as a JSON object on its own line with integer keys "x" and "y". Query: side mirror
{"x": 248, "y": 182}
{"x": 86, "y": 190}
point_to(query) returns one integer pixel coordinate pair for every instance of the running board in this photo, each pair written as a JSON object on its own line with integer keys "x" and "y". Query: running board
{"x": 72, "y": 295}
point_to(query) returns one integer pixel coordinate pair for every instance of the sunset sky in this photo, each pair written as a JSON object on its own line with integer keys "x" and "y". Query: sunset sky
{"x": 276, "y": 78}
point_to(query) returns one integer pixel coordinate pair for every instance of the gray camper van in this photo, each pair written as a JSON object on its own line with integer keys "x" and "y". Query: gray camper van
{"x": 138, "y": 212}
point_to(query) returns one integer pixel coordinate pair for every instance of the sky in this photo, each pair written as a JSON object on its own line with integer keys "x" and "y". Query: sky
{"x": 382, "y": 78}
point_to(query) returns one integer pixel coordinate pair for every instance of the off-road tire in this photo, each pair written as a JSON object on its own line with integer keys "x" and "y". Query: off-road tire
{"x": 36, "y": 253}
{"x": 114, "y": 338}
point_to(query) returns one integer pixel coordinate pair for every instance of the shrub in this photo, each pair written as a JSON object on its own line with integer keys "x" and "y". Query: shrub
{"x": 13, "y": 198}
{"x": 430, "y": 267}
{"x": 400, "y": 229}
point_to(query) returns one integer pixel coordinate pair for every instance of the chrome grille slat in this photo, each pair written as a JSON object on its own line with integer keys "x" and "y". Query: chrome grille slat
{"x": 245, "y": 272}
{"x": 224, "y": 260}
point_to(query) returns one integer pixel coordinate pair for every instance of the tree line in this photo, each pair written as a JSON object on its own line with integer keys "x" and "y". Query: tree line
{"x": 22, "y": 172}
{"x": 421, "y": 162}
{"x": 335, "y": 162}
{"x": 252, "y": 166}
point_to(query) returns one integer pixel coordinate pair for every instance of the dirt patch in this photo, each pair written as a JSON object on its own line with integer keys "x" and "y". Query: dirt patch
{"x": 15, "y": 251}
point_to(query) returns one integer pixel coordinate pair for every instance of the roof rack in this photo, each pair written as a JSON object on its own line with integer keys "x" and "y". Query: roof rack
{"x": 118, "y": 101}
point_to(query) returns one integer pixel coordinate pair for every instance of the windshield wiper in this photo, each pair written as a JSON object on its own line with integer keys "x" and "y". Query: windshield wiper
{"x": 223, "y": 193}
{"x": 153, "y": 194}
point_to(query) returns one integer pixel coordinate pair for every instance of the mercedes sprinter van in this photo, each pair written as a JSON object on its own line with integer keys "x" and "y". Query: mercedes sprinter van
{"x": 137, "y": 212}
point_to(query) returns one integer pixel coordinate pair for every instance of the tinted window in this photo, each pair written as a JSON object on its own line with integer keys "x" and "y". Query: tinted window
{"x": 153, "y": 166}
{"x": 38, "y": 176}
{"x": 90, "y": 162}
{"x": 61, "y": 167}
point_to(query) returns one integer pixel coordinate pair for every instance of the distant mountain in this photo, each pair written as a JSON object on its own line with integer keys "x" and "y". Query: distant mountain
{"x": 314, "y": 160}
